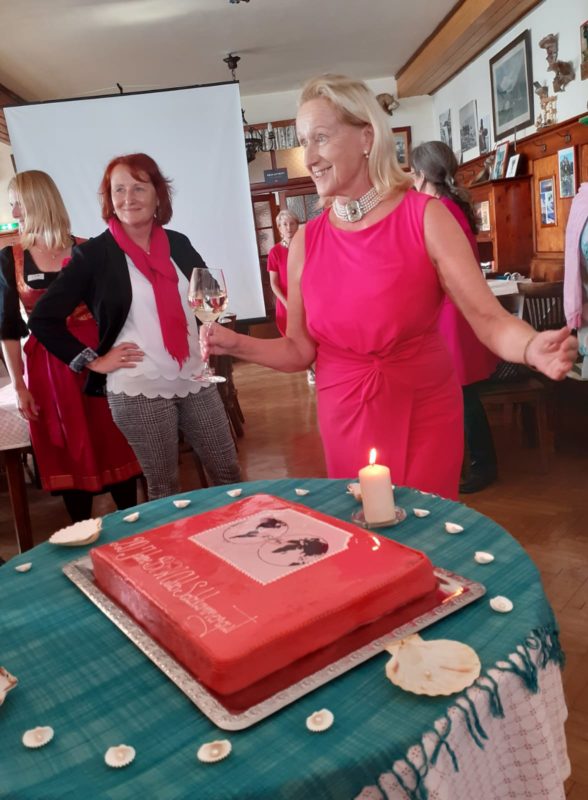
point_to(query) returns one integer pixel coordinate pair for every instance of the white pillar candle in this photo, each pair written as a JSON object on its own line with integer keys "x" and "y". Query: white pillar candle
{"x": 376, "y": 492}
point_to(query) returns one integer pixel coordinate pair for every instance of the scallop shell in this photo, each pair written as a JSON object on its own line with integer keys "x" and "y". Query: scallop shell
{"x": 23, "y": 567}
{"x": 453, "y": 527}
{"x": 320, "y": 721}
{"x": 483, "y": 558}
{"x": 501, "y": 604}
{"x": 301, "y": 492}
{"x": 78, "y": 534}
{"x": 234, "y": 492}
{"x": 438, "y": 667}
{"x": 181, "y": 503}
{"x": 211, "y": 752}
{"x": 355, "y": 490}
{"x": 120, "y": 756}
{"x": 37, "y": 737}
{"x": 132, "y": 517}
{"x": 7, "y": 682}
{"x": 420, "y": 512}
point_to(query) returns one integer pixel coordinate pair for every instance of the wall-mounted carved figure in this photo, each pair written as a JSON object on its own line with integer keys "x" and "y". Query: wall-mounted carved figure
{"x": 564, "y": 70}
{"x": 388, "y": 102}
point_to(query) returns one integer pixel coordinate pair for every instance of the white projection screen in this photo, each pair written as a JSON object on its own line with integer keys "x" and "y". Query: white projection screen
{"x": 195, "y": 135}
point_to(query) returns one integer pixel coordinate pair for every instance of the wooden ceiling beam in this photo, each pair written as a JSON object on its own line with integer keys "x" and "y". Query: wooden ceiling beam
{"x": 467, "y": 31}
{"x": 7, "y": 98}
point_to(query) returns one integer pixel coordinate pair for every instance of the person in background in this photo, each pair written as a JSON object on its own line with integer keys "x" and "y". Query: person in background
{"x": 277, "y": 264}
{"x": 366, "y": 281}
{"x": 434, "y": 166}
{"x": 134, "y": 278}
{"x": 78, "y": 449}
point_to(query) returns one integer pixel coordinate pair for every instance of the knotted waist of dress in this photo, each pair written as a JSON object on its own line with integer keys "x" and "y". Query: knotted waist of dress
{"x": 420, "y": 362}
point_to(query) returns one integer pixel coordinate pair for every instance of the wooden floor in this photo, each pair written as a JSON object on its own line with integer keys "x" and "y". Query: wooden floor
{"x": 547, "y": 513}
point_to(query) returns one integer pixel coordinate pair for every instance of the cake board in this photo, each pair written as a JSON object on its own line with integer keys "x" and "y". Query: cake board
{"x": 455, "y": 593}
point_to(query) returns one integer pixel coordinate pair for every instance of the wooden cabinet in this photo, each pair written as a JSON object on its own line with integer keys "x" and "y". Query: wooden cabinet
{"x": 505, "y": 220}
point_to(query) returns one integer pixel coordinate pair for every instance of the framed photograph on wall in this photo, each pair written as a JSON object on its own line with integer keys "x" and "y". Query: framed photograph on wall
{"x": 547, "y": 201}
{"x": 566, "y": 163}
{"x": 468, "y": 126}
{"x": 402, "y": 142}
{"x": 500, "y": 161}
{"x": 511, "y": 82}
{"x": 583, "y": 50}
{"x": 444, "y": 128}
{"x": 484, "y": 134}
{"x": 513, "y": 165}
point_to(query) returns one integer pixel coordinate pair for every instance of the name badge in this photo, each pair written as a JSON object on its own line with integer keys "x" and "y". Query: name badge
{"x": 39, "y": 276}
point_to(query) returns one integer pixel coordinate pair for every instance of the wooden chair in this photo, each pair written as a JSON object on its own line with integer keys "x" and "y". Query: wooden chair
{"x": 516, "y": 388}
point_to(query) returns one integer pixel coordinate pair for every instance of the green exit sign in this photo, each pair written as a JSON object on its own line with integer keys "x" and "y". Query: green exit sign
{"x": 8, "y": 226}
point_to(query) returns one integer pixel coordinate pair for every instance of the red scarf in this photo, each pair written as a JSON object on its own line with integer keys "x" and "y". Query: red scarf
{"x": 157, "y": 267}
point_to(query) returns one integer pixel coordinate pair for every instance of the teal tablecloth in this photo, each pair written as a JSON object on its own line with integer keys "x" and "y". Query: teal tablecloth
{"x": 79, "y": 674}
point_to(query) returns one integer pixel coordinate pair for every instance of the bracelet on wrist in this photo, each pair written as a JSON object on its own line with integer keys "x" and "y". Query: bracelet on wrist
{"x": 526, "y": 361}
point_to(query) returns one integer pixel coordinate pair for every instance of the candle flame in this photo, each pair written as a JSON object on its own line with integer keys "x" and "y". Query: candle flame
{"x": 373, "y": 454}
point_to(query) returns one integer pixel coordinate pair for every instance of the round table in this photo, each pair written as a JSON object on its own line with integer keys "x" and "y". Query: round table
{"x": 79, "y": 674}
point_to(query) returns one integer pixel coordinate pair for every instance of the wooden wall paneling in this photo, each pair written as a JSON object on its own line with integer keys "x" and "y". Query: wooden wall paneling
{"x": 7, "y": 98}
{"x": 539, "y": 157}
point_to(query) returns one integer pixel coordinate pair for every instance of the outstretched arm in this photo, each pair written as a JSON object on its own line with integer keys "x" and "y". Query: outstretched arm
{"x": 550, "y": 352}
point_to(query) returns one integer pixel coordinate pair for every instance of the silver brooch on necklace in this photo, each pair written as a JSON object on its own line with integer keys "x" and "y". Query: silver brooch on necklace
{"x": 355, "y": 210}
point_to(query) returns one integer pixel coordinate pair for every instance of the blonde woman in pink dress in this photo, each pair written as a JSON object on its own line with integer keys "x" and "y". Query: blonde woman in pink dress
{"x": 366, "y": 281}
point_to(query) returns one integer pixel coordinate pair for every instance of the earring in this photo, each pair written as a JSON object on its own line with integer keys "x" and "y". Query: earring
{"x": 366, "y": 153}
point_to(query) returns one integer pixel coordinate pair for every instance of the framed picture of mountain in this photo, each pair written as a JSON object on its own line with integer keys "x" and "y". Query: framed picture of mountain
{"x": 511, "y": 81}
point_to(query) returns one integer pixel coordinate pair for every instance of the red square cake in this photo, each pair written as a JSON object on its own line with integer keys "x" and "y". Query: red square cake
{"x": 253, "y": 596}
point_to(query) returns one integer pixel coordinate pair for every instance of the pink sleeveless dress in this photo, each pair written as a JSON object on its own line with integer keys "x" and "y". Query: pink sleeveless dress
{"x": 385, "y": 378}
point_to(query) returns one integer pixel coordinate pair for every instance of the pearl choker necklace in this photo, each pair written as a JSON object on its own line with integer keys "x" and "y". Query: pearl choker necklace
{"x": 355, "y": 210}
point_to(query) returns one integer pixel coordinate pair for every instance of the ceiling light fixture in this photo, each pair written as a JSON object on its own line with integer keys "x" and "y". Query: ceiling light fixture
{"x": 255, "y": 139}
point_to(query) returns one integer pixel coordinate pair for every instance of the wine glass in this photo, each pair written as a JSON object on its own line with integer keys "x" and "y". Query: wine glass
{"x": 207, "y": 297}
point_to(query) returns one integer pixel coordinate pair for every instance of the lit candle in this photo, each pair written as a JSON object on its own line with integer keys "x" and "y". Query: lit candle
{"x": 376, "y": 492}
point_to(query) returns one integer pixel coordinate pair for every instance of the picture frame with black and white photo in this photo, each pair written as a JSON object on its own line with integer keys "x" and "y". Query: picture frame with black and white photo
{"x": 566, "y": 163}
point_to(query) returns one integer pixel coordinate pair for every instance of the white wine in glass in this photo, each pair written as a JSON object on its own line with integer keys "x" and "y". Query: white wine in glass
{"x": 207, "y": 297}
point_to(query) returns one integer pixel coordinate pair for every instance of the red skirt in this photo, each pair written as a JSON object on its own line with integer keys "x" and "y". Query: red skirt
{"x": 75, "y": 441}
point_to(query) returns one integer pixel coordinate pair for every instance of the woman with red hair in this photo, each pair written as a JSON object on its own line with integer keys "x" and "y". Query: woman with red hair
{"x": 134, "y": 278}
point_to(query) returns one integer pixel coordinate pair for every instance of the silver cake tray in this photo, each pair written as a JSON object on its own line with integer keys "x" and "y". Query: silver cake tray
{"x": 457, "y": 591}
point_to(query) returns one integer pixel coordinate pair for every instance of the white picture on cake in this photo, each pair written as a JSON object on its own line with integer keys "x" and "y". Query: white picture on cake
{"x": 273, "y": 544}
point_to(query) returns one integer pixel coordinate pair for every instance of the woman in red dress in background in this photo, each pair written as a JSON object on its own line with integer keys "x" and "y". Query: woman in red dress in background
{"x": 277, "y": 265}
{"x": 78, "y": 449}
{"x": 434, "y": 166}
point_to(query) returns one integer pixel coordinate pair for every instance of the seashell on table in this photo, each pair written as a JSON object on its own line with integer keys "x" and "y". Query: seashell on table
{"x": 181, "y": 503}
{"x": 120, "y": 756}
{"x": 437, "y": 667}
{"x": 421, "y": 512}
{"x": 453, "y": 527}
{"x": 355, "y": 490}
{"x": 23, "y": 567}
{"x": 234, "y": 492}
{"x": 501, "y": 604}
{"x": 7, "y": 682}
{"x": 320, "y": 721}
{"x": 483, "y": 558}
{"x": 37, "y": 737}
{"x": 78, "y": 534}
{"x": 132, "y": 517}
{"x": 210, "y": 752}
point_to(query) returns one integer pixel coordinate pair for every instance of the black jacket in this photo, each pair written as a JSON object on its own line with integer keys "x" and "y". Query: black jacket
{"x": 97, "y": 275}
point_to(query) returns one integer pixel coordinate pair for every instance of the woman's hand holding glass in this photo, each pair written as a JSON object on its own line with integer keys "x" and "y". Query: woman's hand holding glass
{"x": 207, "y": 297}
